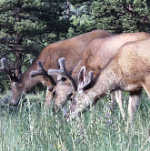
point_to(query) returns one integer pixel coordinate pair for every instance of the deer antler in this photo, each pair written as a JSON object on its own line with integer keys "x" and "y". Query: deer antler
{"x": 42, "y": 71}
{"x": 84, "y": 80}
{"x": 62, "y": 72}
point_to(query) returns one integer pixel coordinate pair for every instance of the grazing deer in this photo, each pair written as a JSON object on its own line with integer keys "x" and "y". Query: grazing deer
{"x": 129, "y": 70}
{"x": 95, "y": 57}
{"x": 71, "y": 49}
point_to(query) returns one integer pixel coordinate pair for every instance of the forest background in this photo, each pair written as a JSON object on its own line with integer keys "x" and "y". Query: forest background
{"x": 27, "y": 26}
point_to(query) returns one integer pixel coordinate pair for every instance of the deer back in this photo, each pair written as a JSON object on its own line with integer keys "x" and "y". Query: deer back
{"x": 71, "y": 49}
{"x": 100, "y": 51}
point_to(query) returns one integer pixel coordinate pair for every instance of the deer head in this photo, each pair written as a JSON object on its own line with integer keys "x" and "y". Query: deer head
{"x": 65, "y": 86}
{"x": 80, "y": 99}
{"x": 14, "y": 75}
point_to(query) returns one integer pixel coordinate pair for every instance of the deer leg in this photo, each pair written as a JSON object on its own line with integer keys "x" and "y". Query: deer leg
{"x": 49, "y": 96}
{"x": 118, "y": 96}
{"x": 134, "y": 101}
{"x": 113, "y": 100}
{"x": 49, "y": 92}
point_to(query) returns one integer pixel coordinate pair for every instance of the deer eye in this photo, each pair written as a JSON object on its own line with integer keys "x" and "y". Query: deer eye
{"x": 69, "y": 96}
{"x": 54, "y": 93}
{"x": 63, "y": 79}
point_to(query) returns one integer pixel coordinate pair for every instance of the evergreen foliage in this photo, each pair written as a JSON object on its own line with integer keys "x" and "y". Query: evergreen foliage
{"x": 121, "y": 16}
{"x": 30, "y": 25}
{"x": 113, "y": 15}
{"x": 27, "y": 26}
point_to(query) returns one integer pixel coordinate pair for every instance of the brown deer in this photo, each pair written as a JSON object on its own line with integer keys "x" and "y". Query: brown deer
{"x": 129, "y": 70}
{"x": 71, "y": 49}
{"x": 95, "y": 57}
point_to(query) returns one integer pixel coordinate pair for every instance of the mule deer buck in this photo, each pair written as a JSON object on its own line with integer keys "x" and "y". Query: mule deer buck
{"x": 129, "y": 70}
{"x": 95, "y": 57}
{"x": 71, "y": 49}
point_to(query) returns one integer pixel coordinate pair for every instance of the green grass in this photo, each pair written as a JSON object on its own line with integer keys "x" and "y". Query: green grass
{"x": 31, "y": 127}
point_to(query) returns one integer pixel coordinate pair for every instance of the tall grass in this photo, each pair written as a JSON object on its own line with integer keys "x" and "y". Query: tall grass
{"x": 32, "y": 127}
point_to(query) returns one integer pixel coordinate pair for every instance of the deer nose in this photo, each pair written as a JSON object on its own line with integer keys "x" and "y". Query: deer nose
{"x": 13, "y": 102}
{"x": 69, "y": 96}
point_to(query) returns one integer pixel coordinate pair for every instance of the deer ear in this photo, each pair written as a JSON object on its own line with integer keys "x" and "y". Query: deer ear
{"x": 84, "y": 79}
{"x": 82, "y": 74}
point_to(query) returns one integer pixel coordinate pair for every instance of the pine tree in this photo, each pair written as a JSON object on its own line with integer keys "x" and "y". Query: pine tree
{"x": 121, "y": 15}
{"x": 113, "y": 15}
{"x": 26, "y": 26}
{"x": 80, "y": 17}
{"x": 30, "y": 24}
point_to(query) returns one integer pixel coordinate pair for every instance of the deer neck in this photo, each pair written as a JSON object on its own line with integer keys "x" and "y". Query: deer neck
{"x": 108, "y": 81}
{"x": 28, "y": 81}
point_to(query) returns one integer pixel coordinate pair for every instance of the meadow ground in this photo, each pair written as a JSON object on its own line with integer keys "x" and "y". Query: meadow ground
{"x": 31, "y": 127}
